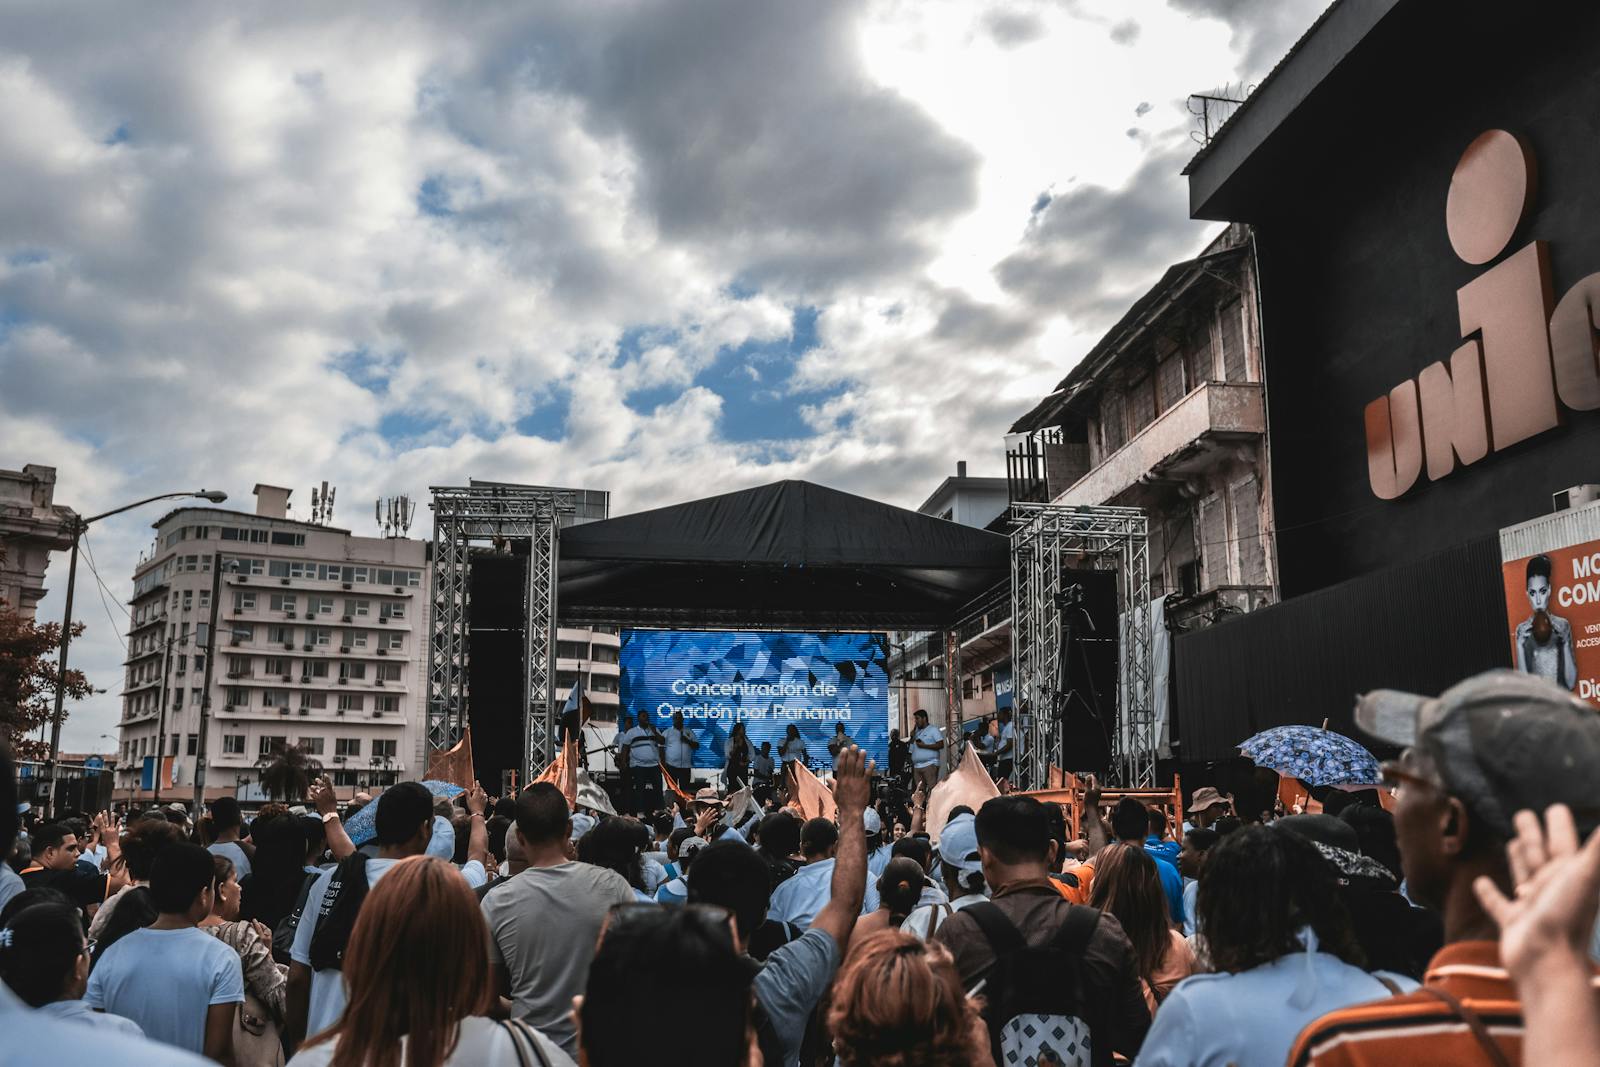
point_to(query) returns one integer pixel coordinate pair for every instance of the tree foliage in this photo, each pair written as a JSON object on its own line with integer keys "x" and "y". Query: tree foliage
{"x": 288, "y": 773}
{"x": 28, "y": 680}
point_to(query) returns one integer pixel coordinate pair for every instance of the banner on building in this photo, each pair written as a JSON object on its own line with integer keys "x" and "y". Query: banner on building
{"x": 1553, "y": 616}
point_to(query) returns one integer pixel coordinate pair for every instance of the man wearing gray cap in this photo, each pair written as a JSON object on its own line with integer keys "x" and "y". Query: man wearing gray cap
{"x": 1494, "y": 745}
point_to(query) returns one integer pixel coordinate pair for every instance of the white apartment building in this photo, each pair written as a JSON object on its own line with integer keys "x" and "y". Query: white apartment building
{"x": 323, "y": 644}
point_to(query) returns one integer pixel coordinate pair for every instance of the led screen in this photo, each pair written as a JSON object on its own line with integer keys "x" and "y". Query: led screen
{"x": 768, "y": 681}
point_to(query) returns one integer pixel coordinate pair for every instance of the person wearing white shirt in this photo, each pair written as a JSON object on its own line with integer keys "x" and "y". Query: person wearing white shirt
{"x": 641, "y": 746}
{"x": 961, "y": 869}
{"x": 926, "y": 742}
{"x": 405, "y": 824}
{"x": 800, "y": 898}
{"x": 679, "y": 745}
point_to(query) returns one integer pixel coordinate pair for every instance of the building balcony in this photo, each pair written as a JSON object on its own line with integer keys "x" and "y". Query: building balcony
{"x": 1187, "y": 438}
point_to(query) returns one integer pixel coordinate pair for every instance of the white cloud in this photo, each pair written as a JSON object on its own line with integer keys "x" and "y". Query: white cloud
{"x": 400, "y": 244}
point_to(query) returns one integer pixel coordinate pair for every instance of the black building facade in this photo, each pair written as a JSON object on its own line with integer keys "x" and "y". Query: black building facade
{"x": 1391, "y": 476}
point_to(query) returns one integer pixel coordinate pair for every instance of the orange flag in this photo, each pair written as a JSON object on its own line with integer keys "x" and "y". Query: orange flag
{"x": 563, "y": 772}
{"x": 968, "y": 784}
{"x": 672, "y": 787}
{"x": 808, "y": 793}
{"x": 454, "y": 765}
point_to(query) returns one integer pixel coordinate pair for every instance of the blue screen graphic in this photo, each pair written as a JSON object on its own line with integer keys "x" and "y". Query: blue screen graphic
{"x": 768, "y": 681}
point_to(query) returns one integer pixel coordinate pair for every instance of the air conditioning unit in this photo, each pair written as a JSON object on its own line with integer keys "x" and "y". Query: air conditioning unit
{"x": 283, "y": 581}
{"x": 345, "y": 585}
{"x": 311, "y": 615}
{"x": 344, "y": 681}
{"x": 399, "y": 589}
{"x": 236, "y": 674}
{"x": 288, "y": 678}
{"x": 383, "y": 620}
{"x": 338, "y": 711}
{"x": 1574, "y": 497}
{"x": 344, "y": 648}
{"x": 378, "y": 681}
{"x": 306, "y": 648}
{"x": 376, "y": 714}
{"x": 283, "y": 709}
{"x": 227, "y": 707}
{"x": 383, "y": 651}
{"x": 289, "y": 645}
{"x": 305, "y": 679}
{"x": 305, "y": 710}
{"x": 348, "y": 619}
{"x": 236, "y": 641}
{"x": 290, "y": 615}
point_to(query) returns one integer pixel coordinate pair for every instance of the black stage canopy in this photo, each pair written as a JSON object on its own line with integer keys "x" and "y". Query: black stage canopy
{"x": 790, "y": 554}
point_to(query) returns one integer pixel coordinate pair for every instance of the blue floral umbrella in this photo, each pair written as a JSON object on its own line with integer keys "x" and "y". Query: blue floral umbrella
{"x": 363, "y": 825}
{"x": 1315, "y": 756}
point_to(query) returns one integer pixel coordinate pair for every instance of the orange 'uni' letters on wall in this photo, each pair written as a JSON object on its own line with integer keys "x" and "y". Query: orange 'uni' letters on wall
{"x": 1522, "y": 350}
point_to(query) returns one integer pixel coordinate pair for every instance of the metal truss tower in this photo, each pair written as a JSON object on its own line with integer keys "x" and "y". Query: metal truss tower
{"x": 493, "y": 515}
{"x": 1046, "y": 541}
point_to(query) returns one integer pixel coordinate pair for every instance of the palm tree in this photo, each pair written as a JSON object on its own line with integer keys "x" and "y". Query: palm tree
{"x": 288, "y": 773}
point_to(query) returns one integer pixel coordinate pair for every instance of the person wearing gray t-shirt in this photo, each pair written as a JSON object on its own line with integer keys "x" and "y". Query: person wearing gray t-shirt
{"x": 544, "y": 922}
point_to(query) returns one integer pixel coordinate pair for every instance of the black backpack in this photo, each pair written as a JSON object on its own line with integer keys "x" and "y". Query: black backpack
{"x": 1035, "y": 1003}
{"x": 337, "y": 916}
{"x": 283, "y": 933}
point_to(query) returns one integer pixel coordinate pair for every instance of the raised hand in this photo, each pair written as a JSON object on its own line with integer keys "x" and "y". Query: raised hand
{"x": 1557, "y": 887}
{"x": 852, "y": 785}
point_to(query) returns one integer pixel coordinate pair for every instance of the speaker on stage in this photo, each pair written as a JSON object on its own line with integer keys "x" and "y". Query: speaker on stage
{"x": 496, "y": 706}
{"x": 1087, "y": 708}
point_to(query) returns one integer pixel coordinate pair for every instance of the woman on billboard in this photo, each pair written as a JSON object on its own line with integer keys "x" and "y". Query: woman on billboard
{"x": 1544, "y": 641}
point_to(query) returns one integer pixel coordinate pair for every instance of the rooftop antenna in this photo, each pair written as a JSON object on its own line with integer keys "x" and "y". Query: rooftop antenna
{"x": 394, "y": 514}
{"x": 322, "y": 504}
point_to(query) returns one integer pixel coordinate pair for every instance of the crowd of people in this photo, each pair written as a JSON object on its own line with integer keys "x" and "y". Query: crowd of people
{"x": 522, "y": 930}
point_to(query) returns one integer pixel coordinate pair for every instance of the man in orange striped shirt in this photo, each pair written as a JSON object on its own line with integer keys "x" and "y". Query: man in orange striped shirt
{"x": 1496, "y": 744}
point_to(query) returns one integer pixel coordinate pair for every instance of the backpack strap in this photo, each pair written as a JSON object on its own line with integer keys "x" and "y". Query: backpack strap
{"x": 526, "y": 1045}
{"x": 1002, "y": 934}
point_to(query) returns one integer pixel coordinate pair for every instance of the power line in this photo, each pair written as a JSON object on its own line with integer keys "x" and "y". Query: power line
{"x": 88, "y": 556}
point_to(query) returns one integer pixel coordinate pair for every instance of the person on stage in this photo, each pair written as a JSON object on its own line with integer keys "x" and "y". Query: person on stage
{"x": 926, "y": 742}
{"x": 1005, "y": 746}
{"x": 837, "y": 743}
{"x": 761, "y": 771}
{"x": 736, "y": 759}
{"x": 642, "y": 746}
{"x": 678, "y": 745}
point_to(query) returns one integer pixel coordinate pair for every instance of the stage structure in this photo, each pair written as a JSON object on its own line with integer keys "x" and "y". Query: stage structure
{"x": 494, "y": 516}
{"x": 1047, "y": 541}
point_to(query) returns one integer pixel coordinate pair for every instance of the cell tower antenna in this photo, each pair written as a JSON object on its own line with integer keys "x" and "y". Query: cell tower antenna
{"x": 394, "y": 515}
{"x": 322, "y": 504}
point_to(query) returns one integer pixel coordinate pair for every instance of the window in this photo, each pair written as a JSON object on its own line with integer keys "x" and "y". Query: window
{"x": 193, "y": 746}
{"x": 319, "y": 635}
{"x": 388, "y": 672}
{"x": 322, "y": 604}
{"x": 601, "y": 683}
{"x": 1169, "y": 381}
{"x": 278, "y": 568}
{"x": 352, "y": 702}
{"x": 236, "y": 696}
{"x": 358, "y": 638}
{"x": 199, "y": 663}
{"x": 347, "y": 746}
{"x": 271, "y": 746}
{"x": 385, "y": 748}
{"x": 188, "y": 599}
{"x": 1247, "y": 524}
{"x": 1112, "y": 431}
{"x": 314, "y": 700}
{"x": 275, "y": 698}
{"x": 205, "y": 599}
{"x": 393, "y": 611}
{"x": 1230, "y": 333}
{"x": 393, "y": 641}
{"x": 283, "y": 601}
{"x": 243, "y": 632}
{"x": 243, "y": 601}
{"x": 1141, "y": 404}
{"x": 1198, "y": 365}
{"x": 314, "y": 668}
{"x": 390, "y": 704}
{"x": 352, "y": 670}
{"x": 311, "y": 746}
{"x": 1214, "y": 541}
{"x": 283, "y": 537}
{"x": 239, "y": 666}
{"x": 194, "y": 698}
{"x": 572, "y": 650}
{"x": 603, "y": 654}
{"x": 280, "y": 634}
{"x": 275, "y": 665}
{"x": 233, "y": 744}
{"x": 357, "y": 608}
{"x": 344, "y": 777}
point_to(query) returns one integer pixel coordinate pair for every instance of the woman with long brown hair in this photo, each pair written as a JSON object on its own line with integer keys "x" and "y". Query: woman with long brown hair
{"x": 418, "y": 981}
{"x": 898, "y": 1002}
{"x": 1127, "y": 885}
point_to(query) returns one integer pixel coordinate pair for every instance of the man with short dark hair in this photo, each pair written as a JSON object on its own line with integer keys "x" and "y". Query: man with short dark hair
{"x": 801, "y": 898}
{"x": 1017, "y": 853}
{"x": 641, "y": 746}
{"x": 404, "y": 826}
{"x": 226, "y": 826}
{"x": 729, "y": 874}
{"x": 544, "y": 922}
{"x": 1130, "y": 823}
{"x": 1005, "y": 746}
{"x": 1497, "y": 744}
{"x": 762, "y": 769}
{"x": 926, "y": 742}
{"x": 677, "y": 748}
{"x": 55, "y": 865}
{"x": 180, "y": 984}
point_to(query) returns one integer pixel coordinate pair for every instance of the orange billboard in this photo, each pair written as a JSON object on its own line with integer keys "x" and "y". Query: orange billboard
{"x": 1553, "y": 616}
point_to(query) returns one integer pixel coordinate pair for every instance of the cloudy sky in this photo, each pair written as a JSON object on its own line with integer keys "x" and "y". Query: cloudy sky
{"x": 661, "y": 247}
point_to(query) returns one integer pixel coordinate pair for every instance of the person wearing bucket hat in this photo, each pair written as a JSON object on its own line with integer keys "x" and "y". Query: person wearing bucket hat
{"x": 1206, "y": 807}
{"x": 1485, "y": 749}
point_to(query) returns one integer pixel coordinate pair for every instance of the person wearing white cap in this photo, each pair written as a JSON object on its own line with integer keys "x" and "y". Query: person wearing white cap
{"x": 677, "y": 890}
{"x": 962, "y": 871}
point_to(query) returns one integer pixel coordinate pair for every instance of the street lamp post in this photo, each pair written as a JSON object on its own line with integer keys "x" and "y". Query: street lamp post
{"x": 78, "y": 527}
